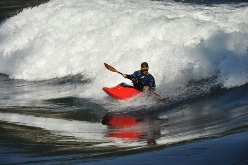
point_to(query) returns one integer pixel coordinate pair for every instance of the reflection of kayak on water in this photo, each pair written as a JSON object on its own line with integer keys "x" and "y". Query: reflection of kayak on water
{"x": 124, "y": 126}
{"x": 120, "y": 120}
{"x": 129, "y": 127}
{"x": 122, "y": 91}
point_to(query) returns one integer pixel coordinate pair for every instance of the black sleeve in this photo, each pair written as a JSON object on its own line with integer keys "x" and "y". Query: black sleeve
{"x": 130, "y": 77}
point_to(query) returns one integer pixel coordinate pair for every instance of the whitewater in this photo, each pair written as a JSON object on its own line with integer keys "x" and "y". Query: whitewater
{"x": 53, "y": 108}
{"x": 181, "y": 42}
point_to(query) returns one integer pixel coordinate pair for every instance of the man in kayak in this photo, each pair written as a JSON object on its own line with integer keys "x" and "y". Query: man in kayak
{"x": 142, "y": 79}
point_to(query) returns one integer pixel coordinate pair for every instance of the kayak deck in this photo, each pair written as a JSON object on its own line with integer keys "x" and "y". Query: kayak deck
{"x": 122, "y": 91}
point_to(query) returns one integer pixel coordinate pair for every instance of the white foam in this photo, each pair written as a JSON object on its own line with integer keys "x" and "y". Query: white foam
{"x": 181, "y": 42}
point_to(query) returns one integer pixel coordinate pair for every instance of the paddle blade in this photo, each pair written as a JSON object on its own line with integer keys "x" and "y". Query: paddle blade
{"x": 110, "y": 68}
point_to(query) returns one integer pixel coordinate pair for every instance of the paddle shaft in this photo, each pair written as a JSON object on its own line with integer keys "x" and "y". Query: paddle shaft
{"x": 160, "y": 97}
{"x": 120, "y": 73}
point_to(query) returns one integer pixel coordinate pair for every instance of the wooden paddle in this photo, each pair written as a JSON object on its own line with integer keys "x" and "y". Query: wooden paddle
{"x": 109, "y": 67}
{"x": 160, "y": 97}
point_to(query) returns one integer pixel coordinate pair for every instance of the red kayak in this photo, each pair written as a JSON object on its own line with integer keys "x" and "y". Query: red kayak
{"x": 122, "y": 91}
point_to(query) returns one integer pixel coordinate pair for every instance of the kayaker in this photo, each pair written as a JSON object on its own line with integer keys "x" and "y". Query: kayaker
{"x": 142, "y": 79}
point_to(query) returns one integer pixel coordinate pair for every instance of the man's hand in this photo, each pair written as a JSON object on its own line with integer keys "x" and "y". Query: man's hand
{"x": 124, "y": 75}
{"x": 135, "y": 80}
{"x": 145, "y": 87}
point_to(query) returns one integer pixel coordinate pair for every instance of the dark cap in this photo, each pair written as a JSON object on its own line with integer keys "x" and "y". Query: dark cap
{"x": 144, "y": 65}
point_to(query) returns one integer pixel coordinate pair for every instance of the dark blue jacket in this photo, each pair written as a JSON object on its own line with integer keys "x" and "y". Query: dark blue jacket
{"x": 143, "y": 80}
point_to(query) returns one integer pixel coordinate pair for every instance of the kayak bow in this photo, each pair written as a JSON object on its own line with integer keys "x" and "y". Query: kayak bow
{"x": 122, "y": 91}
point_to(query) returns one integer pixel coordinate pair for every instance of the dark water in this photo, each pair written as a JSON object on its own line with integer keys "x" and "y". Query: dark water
{"x": 47, "y": 122}
{"x": 35, "y": 130}
{"x": 12, "y": 7}
{"x": 211, "y": 2}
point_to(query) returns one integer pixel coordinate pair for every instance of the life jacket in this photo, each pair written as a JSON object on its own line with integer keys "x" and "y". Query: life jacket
{"x": 145, "y": 80}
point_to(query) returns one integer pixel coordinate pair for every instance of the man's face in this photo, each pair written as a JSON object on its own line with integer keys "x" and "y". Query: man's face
{"x": 145, "y": 71}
